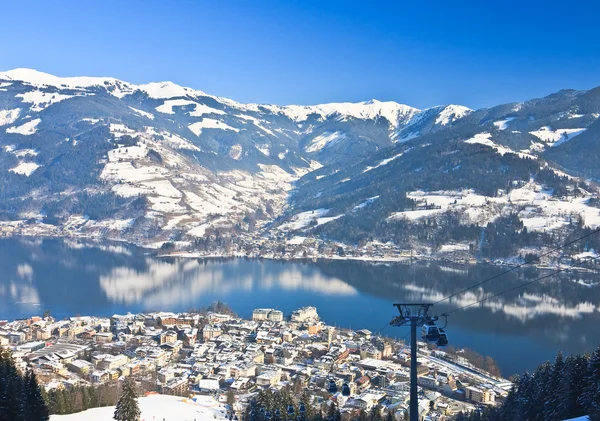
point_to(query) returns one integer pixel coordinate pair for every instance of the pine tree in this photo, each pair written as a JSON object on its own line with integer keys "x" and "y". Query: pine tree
{"x": 591, "y": 396}
{"x": 555, "y": 393}
{"x": 573, "y": 387}
{"x": 35, "y": 407}
{"x": 127, "y": 408}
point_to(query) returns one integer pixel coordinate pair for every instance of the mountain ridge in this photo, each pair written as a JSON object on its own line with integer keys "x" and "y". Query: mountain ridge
{"x": 159, "y": 162}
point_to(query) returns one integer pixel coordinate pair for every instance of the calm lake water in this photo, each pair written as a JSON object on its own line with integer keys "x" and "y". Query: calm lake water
{"x": 519, "y": 330}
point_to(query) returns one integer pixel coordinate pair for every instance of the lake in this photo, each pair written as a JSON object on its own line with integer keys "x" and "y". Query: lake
{"x": 519, "y": 330}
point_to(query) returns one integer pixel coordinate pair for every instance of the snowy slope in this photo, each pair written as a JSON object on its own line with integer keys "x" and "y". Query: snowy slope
{"x": 158, "y": 407}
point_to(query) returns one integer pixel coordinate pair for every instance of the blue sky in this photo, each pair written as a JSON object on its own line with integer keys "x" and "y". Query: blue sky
{"x": 421, "y": 53}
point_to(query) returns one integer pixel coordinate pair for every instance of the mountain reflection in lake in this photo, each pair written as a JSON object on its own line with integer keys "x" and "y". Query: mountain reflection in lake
{"x": 519, "y": 330}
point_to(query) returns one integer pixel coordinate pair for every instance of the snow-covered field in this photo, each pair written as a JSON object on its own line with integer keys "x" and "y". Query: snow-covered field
{"x": 158, "y": 408}
{"x": 25, "y": 129}
{"x": 303, "y": 219}
{"x": 536, "y": 208}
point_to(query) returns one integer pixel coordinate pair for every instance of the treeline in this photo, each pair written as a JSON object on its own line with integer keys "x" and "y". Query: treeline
{"x": 20, "y": 394}
{"x": 295, "y": 403}
{"x": 567, "y": 388}
{"x": 80, "y": 398}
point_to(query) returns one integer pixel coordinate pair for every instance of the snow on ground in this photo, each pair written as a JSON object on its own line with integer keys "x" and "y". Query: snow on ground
{"x": 452, "y": 113}
{"x": 537, "y": 208}
{"x": 392, "y": 111}
{"x": 325, "y": 140}
{"x": 303, "y": 219}
{"x": 198, "y": 231}
{"x": 365, "y": 203}
{"x": 142, "y": 113}
{"x": 173, "y": 140}
{"x": 257, "y": 123}
{"x": 25, "y": 168}
{"x": 452, "y": 248}
{"x": 209, "y": 123}
{"x": 9, "y": 116}
{"x": 296, "y": 240}
{"x": 384, "y": 162}
{"x": 91, "y": 120}
{"x": 556, "y": 137}
{"x": 485, "y": 139}
{"x": 158, "y": 407}
{"x": 26, "y": 129}
{"x": 42, "y": 100}
{"x": 502, "y": 124}
{"x": 198, "y": 109}
{"x": 119, "y": 130}
{"x": 24, "y": 152}
{"x": 127, "y": 153}
{"x": 264, "y": 149}
{"x": 235, "y": 152}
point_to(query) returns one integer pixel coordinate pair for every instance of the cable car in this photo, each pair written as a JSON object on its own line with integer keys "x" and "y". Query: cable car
{"x": 443, "y": 339}
{"x": 430, "y": 332}
{"x": 346, "y": 389}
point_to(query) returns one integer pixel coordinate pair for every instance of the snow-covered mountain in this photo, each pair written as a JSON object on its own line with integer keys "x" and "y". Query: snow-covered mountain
{"x": 158, "y": 161}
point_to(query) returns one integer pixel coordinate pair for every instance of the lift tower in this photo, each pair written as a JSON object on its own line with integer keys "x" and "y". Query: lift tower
{"x": 413, "y": 315}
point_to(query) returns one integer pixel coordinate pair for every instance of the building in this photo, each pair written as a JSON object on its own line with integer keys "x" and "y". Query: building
{"x": 218, "y": 317}
{"x": 210, "y": 331}
{"x": 103, "y": 337}
{"x": 475, "y": 394}
{"x": 168, "y": 337}
{"x": 263, "y": 314}
{"x": 177, "y": 387}
{"x": 208, "y": 386}
{"x": 268, "y": 378}
{"x": 304, "y": 314}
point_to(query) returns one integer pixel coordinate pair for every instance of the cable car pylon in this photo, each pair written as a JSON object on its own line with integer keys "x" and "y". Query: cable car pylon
{"x": 415, "y": 315}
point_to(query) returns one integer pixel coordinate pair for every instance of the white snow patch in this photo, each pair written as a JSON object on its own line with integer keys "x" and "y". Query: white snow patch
{"x": 25, "y": 129}
{"x": 556, "y": 137}
{"x": 264, "y": 149}
{"x": 198, "y": 231}
{"x": 235, "y": 152}
{"x": 485, "y": 139}
{"x": 365, "y": 203}
{"x": 9, "y": 116}
{"x": 303, "y": 219}
{"x": 142, "y": 113}
{"x": 391, "y": 111}
{"x": 296, "y": 240}
{"x": 502, "y": 124}
{"x": 452, "y": 113}
{"x": 325, "y": 140}
{"x": 158, "y": 407}
{"x": 90, "y": 120}
{"x": 42, "y": 100}
{"x": 256, "y": 122}
{"x": 25, "y": 152}
{"x": 384, "y": 162}
{"x": 25, "y": 168}
{"x": 209, "y": 123}
{"x": 199, "y": 109}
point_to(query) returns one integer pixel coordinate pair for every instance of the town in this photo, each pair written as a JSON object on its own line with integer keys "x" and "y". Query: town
{"x": 231, "y": 359}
